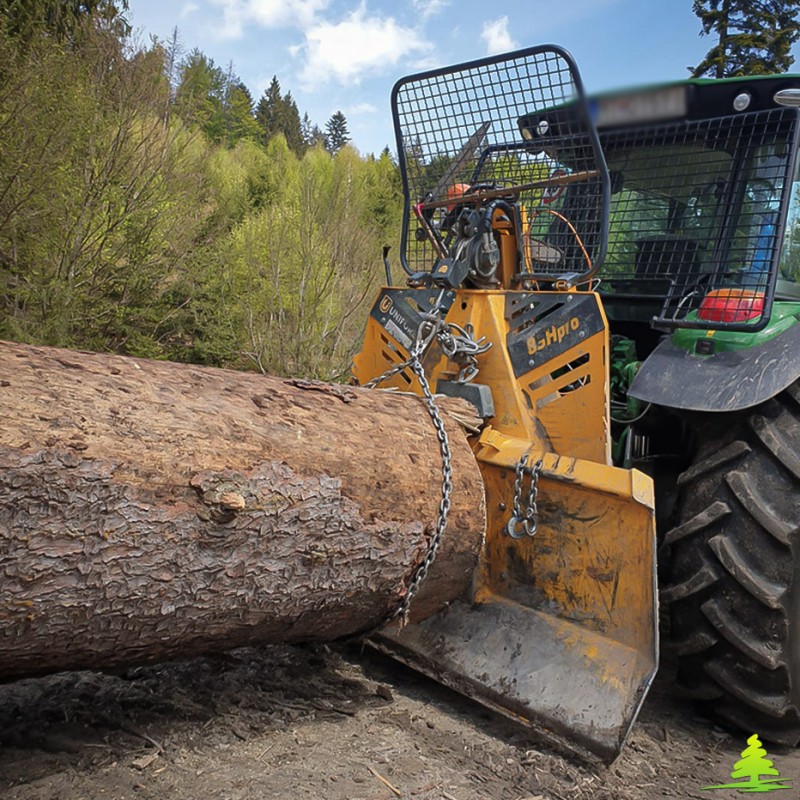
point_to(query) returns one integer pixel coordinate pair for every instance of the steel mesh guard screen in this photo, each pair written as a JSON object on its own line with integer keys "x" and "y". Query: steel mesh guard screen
{"x": 503, "y": 123}
{"x": 696, "y": 222}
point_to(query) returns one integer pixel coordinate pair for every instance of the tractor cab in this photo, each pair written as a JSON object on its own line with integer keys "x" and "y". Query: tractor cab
{"x": 700, "y": 202}
{"x": 704, "y": 203}
{"x": 703, "y": 255}
{"x": 701, "y": 286}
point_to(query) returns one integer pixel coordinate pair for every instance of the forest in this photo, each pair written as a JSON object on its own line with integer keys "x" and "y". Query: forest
{"x": 148, "y": 206}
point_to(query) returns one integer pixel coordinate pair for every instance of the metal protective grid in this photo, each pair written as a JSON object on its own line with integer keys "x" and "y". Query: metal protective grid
{"x": 461, "y": 126}
{"x": 696, "y": 217}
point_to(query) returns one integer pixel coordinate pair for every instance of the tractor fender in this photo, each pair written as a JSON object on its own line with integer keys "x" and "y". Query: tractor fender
{"x": 726, "y": 381}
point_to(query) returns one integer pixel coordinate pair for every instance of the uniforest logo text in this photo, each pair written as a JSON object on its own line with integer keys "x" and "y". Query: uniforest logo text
{"x": 748, "y": 773}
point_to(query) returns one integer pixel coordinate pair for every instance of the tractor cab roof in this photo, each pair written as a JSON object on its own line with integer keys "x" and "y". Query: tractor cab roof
{"x": 693, "y": 99}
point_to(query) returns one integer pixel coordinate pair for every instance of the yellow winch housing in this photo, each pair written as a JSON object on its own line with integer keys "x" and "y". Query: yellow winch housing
{"x": 560, "y": 628}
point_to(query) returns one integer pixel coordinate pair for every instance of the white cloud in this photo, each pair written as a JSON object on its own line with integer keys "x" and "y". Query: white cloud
{"x": 237, "y": 14}
{"x": 429, "y": 8}
{"x": 346, "y": 50}
{"x": 188, "y": 9}
{"x": 496, "y": 36}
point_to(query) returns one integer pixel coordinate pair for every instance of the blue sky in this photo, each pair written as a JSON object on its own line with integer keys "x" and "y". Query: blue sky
{"x": 346, "y": 54}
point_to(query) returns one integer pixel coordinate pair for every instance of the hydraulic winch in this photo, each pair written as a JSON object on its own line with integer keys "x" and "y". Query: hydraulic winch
{"x": 560, "y": 627}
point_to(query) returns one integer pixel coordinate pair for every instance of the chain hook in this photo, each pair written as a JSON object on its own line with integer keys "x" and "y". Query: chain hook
{"x": 430, "y": 327}
{"x": 459, "y": 345}
{"x": 525, "y": 522}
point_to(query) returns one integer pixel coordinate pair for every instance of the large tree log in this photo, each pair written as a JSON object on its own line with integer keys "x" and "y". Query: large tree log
{"x": 151, "y": 510}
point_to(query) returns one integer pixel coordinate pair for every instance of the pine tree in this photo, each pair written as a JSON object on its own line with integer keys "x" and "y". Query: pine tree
{"x": 312, "y": 135}
{"x": 200, "y": 97}
{"x": 268, "y": 110}
{"x": 336, "y": 133}
{"x": 239, "y": 118}
{"x": 277, "y": 113}
{"x": 290, "y": 126}
{"x": 752, "y": 38}
{"x": 385, "y": 196}
{"x": 62, "y": 19}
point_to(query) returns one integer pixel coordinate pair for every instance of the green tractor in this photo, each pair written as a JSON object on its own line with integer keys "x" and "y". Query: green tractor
{"x": 701, "y": 285}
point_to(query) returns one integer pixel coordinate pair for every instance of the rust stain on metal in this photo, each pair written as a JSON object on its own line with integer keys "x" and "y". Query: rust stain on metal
{"x": 604, "y": 575}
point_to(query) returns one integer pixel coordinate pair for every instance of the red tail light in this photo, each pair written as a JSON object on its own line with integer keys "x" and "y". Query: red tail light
{"x": 731, "y": 305}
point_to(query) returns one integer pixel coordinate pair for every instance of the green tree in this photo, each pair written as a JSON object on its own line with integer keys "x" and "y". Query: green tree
{"x": 200, "y": 96}
{"x": 63, "y": 19}
{"x": 240, "y": 121}
{"x": 290, "y": 124}
{"x": 385, "y": 194}
{"x": 752, "y": 38}
{"x": 101, "y": 203}
{"x": 336, "y": 133}
{"x": 139, "y": 214}
{"x": 297, "y": 273}
{"x": 312, "y": 135}
{"x": 277, "y": 113}
{"x": 216, "y": 101}
{"x": 268, "y": 110}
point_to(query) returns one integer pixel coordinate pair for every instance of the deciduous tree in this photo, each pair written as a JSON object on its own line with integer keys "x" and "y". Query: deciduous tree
{"x": 100, "y": 202}
{"x": 141, "y": 212}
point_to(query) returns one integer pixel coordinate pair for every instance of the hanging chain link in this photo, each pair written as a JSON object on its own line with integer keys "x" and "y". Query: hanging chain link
{"x": 431, "y": 326}
{"x": 525, "y": 522}
{"x": 421, "y": 571}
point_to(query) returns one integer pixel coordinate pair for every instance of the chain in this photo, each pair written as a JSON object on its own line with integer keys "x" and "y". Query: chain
{"x": 459, "y": 345}
{"x": 421, "y": 571}
{"x": 430, "y": 327}
{"x": 525, "y": 523}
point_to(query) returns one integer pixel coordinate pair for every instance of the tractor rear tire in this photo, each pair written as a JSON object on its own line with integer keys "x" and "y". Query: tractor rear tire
{"x": 734, "y": 588}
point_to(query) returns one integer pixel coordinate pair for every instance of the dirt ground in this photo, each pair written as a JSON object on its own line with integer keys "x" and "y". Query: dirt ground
{"x": 321, "y": 722}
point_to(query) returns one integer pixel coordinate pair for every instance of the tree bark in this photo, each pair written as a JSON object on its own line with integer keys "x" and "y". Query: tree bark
{"x": 151, "y": 510}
